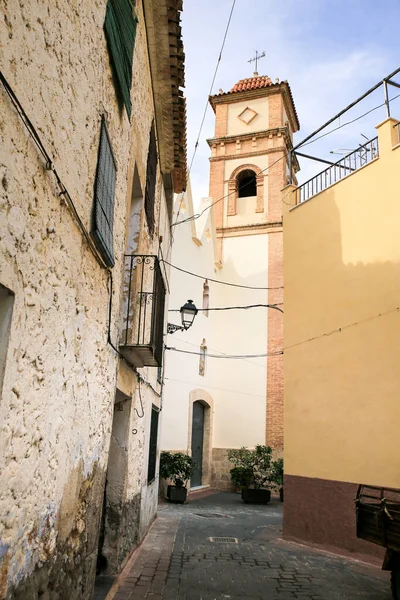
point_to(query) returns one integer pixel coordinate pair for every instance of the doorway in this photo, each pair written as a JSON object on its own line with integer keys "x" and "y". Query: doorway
{"x": 112, "y": 538}
{"x": 197, "y": 443}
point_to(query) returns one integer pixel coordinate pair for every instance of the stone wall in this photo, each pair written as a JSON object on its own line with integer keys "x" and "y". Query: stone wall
{"x": 220, "y": 470}
{"x": 60, "y": 377}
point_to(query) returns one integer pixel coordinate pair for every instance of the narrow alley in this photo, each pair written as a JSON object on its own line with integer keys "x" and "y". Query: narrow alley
{"x": 185, "y": 557}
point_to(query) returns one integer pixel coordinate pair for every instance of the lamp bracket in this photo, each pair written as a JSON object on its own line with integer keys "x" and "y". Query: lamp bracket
{"x": 171, "y": 328}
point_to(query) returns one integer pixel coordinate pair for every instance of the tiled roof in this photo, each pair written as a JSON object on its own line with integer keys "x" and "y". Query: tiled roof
{"x": 252, "y": 83}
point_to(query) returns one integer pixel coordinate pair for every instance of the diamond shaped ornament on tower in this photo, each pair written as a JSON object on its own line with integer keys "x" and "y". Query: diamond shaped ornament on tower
{"x": 247, "y": 115}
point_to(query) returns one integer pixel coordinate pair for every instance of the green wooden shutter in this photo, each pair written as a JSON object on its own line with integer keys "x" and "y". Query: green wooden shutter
{"x": 103, "y": 222}
{"x": 151, "y": 178}
{"x": 120, "y": 28}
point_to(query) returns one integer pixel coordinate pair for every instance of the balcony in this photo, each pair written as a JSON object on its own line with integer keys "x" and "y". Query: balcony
{"x": 142, "y": 326}
{"x": 338, "y": 171}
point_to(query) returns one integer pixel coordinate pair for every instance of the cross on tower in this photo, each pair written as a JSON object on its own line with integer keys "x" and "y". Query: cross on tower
{"x": 256, "y": 59}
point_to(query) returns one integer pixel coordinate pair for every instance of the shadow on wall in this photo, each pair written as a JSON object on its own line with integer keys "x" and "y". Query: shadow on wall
{"x": 342, "y": 326}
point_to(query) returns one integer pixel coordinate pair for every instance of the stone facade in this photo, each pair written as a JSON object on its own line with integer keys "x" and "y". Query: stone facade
{"x": 66, "y": 398}
{"x": 220, "y": 477}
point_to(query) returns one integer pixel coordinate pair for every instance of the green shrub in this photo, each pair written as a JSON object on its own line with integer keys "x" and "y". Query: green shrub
{"x": 255, "y": 465}
{"x": 241, "y": 476}
{"x": 277, "y": 472}
{"x": 176, "y": 466}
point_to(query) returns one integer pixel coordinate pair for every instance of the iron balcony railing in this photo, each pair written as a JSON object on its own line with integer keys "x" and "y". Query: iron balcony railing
{"x": 344, "y": 167}
{"x": 143, "y": 309}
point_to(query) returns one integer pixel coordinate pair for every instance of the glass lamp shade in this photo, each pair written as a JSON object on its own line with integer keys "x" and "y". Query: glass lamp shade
{"x": 188, "y": 313}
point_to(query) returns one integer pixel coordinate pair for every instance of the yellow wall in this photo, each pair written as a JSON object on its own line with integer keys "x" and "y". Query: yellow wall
{"x": 342, "y": 271}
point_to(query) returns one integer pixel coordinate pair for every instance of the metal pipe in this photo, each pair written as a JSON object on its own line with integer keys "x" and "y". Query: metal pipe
{"x": 347, "y": 108}
{"x": 327, "y": 162}
{"x": 393, "y": 83}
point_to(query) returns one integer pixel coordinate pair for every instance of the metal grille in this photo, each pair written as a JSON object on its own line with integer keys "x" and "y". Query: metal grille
{"x": 224, "y": 540}
{"x": 103, "y": 221}
{"x": 120, "y": 28}
{"x": 347, "y": 165}
{"x": 151, "y": 472}
{"x": 151, "y": 178}
{"x": 143, "y": 311}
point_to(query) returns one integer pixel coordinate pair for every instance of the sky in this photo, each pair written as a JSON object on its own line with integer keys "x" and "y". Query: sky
{"x": 330, "y": 51}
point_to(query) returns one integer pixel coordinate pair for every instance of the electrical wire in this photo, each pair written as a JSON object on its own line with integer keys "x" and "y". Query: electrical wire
{"x": 247, "y": 287}
{"x": 251, "y": 362}
{"x": 342, "y": 328}
{"x": 207, "y": 101}
{"x": 275, "y": 306}
{"x": 345, "y": 124}
{"x": 141, "y": 403}
{"x": 251, "y": 181}
{"x": 213, "y": 387}
{"x": 70, "y": 204}
{"x": 51, "y": 167}
{"x": 228, "y": 356}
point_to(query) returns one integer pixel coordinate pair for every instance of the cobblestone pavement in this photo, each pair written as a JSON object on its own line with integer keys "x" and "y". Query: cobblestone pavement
{"x": 177, "y": 561}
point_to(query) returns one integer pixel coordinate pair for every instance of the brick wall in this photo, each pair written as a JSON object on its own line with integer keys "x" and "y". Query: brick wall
{"x": 274, "y": 426}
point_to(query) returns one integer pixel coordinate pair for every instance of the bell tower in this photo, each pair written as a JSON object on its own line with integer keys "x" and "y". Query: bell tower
{"x": 254, "y": 126}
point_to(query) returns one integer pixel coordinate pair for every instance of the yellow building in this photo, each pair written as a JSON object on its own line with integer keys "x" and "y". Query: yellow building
{"x": 342, "y": 343}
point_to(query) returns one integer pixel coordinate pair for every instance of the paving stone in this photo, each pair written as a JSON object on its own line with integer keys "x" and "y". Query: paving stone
{"x": 189, "y": 567}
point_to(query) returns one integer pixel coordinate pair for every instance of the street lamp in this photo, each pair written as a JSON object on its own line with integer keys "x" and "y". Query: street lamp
{"x": 188, "y": 312}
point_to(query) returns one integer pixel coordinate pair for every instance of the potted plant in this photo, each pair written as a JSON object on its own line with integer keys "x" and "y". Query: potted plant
{"x": 255, "y": 472}
{"x": 177, "y": 467}
{"x": 277, "y": 476}
{"x": 241, "y": 477}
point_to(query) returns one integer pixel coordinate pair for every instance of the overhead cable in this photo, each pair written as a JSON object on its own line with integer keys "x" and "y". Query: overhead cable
{"x": 213, "y": 387}
{"x": 302, "y": 144}
{"x": 51, "y": 167}
{"x": 209, "y": 94}
{"x": 228, "y": 356}
{"x": 275, "y": 306}
{"x": 247, "y": 287}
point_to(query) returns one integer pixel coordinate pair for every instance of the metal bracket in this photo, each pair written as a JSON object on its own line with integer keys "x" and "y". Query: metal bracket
{"x": 171, "y": 328}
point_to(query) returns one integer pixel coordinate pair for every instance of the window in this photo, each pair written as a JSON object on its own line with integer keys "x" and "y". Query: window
{"x": 247, "y": 184}
{"x": 151, "y": 472}
{"x": 202, "y": 359}
{"x": 151, "y": 178}
{"x": 120, "y": 28}
{"x": 206, "y": 297}
{"x": 6, "y": 308}
{"x": 104, "y": 191}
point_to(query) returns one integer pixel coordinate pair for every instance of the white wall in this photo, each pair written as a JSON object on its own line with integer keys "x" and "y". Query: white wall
{"x": 238, "y": 387}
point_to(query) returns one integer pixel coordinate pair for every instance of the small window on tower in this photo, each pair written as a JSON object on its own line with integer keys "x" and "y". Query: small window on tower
{"x": 247, "y": 184}
{"x": 206, "y": 298}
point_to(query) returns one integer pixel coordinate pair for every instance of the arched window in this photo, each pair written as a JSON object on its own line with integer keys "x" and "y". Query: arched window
{"x": 247, "y": 184}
